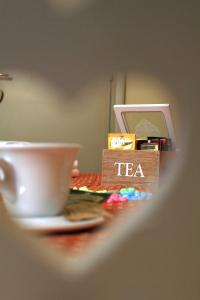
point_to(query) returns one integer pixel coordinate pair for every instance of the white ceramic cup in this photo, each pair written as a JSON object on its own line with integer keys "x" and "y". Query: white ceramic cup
{"x": 35, "y": 177}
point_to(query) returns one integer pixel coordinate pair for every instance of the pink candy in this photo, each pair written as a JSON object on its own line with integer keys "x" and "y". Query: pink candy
{"x": 115, "y": 198}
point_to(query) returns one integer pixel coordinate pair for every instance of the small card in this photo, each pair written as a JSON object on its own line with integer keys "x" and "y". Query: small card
{"x": 121, "y": 141}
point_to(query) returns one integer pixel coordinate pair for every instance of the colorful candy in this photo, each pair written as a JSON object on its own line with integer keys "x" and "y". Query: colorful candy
{"x": 133, "y": 194}
{"x": 115, "y": 198}
{"x": 124, "y": 194}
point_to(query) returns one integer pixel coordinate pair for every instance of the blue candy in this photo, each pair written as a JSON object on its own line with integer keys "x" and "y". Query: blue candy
{"x": 132, "y": 194}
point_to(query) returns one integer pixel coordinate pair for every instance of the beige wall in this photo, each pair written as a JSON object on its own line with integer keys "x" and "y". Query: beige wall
{"x": 35, "y": 109}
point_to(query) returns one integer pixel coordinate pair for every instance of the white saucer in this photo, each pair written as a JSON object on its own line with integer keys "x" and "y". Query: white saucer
{"x": 56, "y": 224}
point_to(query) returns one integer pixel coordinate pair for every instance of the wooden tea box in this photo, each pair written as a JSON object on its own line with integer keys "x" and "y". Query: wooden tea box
{"x": 135, "y": 168}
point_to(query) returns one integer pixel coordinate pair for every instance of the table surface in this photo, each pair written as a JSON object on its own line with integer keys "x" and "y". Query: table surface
{"x": 74, "y": 244}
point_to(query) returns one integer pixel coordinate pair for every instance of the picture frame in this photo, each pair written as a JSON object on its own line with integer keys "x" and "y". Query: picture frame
{"x": 120, "y": 109}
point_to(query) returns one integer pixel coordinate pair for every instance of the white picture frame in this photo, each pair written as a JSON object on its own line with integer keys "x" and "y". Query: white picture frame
{"x": 120, "y": 109}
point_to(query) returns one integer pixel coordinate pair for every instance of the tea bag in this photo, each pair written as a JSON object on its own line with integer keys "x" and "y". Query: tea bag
{"x": 85, "y": 206}
{"x": 85, "y": 211}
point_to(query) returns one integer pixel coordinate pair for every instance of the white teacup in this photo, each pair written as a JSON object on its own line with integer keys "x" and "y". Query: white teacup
{"x": 35, "y": 177}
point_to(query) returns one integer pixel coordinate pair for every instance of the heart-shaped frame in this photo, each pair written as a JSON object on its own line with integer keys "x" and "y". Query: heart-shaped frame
{"x": 158, "y": 259}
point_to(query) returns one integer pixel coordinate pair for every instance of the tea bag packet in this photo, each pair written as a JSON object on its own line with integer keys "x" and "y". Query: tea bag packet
{"x": 121, "y": 141}
{"x": 85, "y": 206}
{"x": 85, "y": 211}
{"x": 81, "y": 196}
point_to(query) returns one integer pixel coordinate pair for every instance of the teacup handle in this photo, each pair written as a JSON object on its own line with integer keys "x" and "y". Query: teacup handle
{"x": 2, "y": 176}
{"x": 7, "y": 181}
{"x": 2, "y": 172}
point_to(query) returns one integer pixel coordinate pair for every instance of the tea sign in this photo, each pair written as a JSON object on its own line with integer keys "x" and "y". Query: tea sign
{"x": 134, "y": 168}
{"x": 129, "y": 170}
